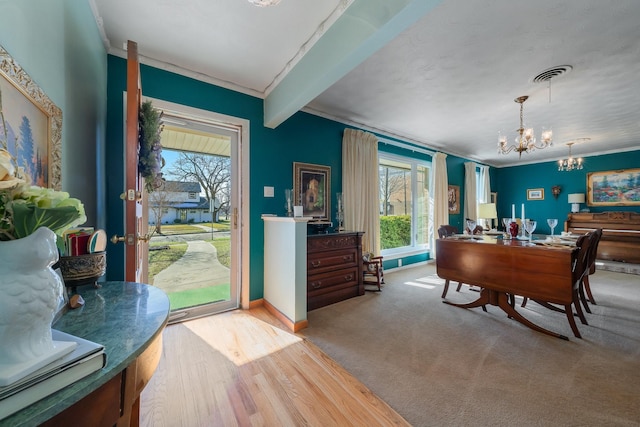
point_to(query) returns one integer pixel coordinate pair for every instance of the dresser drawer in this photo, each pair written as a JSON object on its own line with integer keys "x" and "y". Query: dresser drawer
{"x": 328, "y": 261}
{"x": 333, "y": 279}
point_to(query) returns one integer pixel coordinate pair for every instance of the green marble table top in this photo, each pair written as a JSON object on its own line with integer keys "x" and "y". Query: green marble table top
{"x": 124, "y": 317}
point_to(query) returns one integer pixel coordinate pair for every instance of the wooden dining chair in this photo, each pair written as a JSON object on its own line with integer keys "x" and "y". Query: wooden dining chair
{"x": 580, "y": 268}
{"x": 477, "y": 230}
{"x": 372, "y": 272}
{"x": 585, "y": 288}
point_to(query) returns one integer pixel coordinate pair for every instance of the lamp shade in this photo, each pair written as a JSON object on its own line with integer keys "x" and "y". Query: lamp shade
{"x": 576, "y": 198}
{"x": 487, "y": 211}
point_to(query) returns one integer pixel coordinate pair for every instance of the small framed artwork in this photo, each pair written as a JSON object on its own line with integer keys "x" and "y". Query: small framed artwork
{"x": 454, "y": 199}
{"x": 614, "y": 188}
{"x": 312, "y": 184}
{"x": 30, "y": 125}
{"x": 535, "y": 194}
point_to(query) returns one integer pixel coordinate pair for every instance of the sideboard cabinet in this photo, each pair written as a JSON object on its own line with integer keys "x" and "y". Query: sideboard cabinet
{"x": 334, "y": 268}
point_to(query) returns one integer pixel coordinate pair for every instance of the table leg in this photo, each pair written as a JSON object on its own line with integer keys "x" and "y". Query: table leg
{"x": 502, "y": 300}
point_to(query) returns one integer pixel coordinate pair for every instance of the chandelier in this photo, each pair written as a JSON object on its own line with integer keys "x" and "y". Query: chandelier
{"x": 263, "y": 3}
{"x": 526, "y": 139}
{"x": 571, "y": 163}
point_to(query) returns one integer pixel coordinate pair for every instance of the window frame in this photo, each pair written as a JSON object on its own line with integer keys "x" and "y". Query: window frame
{"x": 414, "y": 163}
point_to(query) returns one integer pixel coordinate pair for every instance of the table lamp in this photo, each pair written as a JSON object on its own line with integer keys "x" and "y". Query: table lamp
{"x": 487, "y": 211}
{"x": 575, "y": 199}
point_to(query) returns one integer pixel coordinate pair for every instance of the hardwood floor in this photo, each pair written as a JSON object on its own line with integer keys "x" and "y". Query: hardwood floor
{"x": 241, "y": 369}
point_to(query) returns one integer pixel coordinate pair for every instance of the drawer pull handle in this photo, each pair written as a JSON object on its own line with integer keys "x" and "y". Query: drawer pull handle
{"x": 348, "y": 278}
{"x": 347, "y": 258}
{"x": 316, "y": 285}
{"x": 315, "y": 263}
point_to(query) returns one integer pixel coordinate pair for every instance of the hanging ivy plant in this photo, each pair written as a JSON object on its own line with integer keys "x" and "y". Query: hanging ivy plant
{"x": 150, "y": 161}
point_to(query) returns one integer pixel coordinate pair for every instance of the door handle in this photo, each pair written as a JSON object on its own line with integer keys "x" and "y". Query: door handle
{"x": 129, "y": 239}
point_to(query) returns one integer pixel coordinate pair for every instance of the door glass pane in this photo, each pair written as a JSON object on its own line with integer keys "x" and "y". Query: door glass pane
{"x": 190, "y": 254}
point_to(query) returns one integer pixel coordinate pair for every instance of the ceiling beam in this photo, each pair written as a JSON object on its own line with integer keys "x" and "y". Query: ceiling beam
{"x": 364, "y": 27}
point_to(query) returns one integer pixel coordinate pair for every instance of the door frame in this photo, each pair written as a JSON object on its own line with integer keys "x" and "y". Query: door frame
{"x": 240, "y": 196}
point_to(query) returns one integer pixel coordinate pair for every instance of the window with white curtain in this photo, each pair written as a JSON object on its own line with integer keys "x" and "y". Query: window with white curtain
{"x": 404, "y": 203}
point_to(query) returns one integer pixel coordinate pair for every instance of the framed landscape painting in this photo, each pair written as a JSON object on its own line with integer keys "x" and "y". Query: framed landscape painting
{"x": 30, "y": 125}
{"x": 312, "y": 184}
{"x": 535, "y": 194}
{"x": 614, "y": 188}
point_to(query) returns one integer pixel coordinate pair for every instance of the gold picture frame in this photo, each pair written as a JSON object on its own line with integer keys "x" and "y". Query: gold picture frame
{"x": 614, "y": 188}
{"x": 535, "y": 194}
{"x": 312, "y": 189}
{"x": 30, "y": 125}
{"x": 454, "y": 199}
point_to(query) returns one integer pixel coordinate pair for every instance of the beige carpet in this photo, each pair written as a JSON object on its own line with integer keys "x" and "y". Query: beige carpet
{"x": 439, "y": 365}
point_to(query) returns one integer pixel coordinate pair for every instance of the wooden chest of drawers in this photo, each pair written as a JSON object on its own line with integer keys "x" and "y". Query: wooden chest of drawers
{"x": 334, "y": 268}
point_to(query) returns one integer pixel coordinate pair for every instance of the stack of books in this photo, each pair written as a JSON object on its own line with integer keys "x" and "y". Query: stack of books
{"x": 87, "y": 358}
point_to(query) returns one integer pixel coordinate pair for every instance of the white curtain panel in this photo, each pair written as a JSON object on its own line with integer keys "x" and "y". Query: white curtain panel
{"x": 440, "y": 195}
{"x": 485, "y": 185}
{"x": 360, "y": 187}
{"x": 470, "y": 207}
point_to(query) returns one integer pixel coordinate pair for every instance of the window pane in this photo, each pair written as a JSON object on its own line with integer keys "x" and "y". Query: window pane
{"x": 395, "y": 204}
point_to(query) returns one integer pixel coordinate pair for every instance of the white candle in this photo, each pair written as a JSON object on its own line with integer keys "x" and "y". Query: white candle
{"x": 513, "y": 212}
{"x": 523, "y": 214}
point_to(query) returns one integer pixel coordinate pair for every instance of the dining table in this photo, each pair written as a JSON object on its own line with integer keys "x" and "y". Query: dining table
{"x": 541, "y": 269}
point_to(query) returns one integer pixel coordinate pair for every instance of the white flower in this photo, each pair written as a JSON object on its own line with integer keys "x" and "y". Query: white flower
{"x": 8, "y": 177}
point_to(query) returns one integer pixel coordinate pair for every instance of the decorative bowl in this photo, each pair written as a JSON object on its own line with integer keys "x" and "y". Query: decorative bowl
{"x": 83, "y": 269}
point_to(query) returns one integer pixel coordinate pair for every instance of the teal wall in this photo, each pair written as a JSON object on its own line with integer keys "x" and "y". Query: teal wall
{"x": 58, "y": 44}
{"x": 303, "y": 138}
{"x": 512, "y": 184}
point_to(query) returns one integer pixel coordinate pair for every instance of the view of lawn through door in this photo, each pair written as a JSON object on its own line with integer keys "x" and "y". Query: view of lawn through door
{"x": 190, "y": 216}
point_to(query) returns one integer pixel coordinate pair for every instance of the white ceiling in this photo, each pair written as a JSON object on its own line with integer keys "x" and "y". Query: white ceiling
{"x": 447, "y": 81}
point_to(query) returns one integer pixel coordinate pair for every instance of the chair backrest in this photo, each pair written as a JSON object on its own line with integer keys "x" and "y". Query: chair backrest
{"x": 597, "y": 234}
{"x": 477, "y": 230}
{"x": 581, "y": 264}
{"x": 446, "y": 231}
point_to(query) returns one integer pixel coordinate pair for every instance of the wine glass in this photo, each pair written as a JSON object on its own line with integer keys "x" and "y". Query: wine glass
{"x": 505, "y": 223}
{"x": 471, "y": 225}
{"x": 529, "y": 227}
{"x": 552, "y": 223}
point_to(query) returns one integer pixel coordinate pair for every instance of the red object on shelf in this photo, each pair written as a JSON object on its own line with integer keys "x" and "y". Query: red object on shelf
{"x": 78, "y": 244}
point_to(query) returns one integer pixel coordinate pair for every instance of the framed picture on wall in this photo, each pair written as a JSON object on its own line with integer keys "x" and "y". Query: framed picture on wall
{"x": 454, "y": 199}
{"x": 535, "y": 194}
{"x": 614, "y": 188}
{"x": 30, "y": 125}
{"x": 312, "y": 185}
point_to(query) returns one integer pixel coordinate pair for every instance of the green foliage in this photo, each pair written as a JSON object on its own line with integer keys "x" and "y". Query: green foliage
{"x": 395, "y": 231}
{"x": 177, "y": 221}
{"x": 150, "y": 149}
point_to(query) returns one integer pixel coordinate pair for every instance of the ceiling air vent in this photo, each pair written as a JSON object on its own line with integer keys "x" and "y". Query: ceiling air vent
{"x": 552, "y": 73}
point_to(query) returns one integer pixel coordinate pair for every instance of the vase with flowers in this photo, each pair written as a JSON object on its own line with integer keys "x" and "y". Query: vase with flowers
{"x": 31, "y": 218}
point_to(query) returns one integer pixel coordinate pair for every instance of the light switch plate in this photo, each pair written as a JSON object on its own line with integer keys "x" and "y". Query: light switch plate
{"x": 268, "y": 191}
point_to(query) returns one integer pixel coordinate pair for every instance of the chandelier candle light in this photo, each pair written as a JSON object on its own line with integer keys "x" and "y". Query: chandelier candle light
{"x": 526, "y": 139}
{"x": 570, "y": 163}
